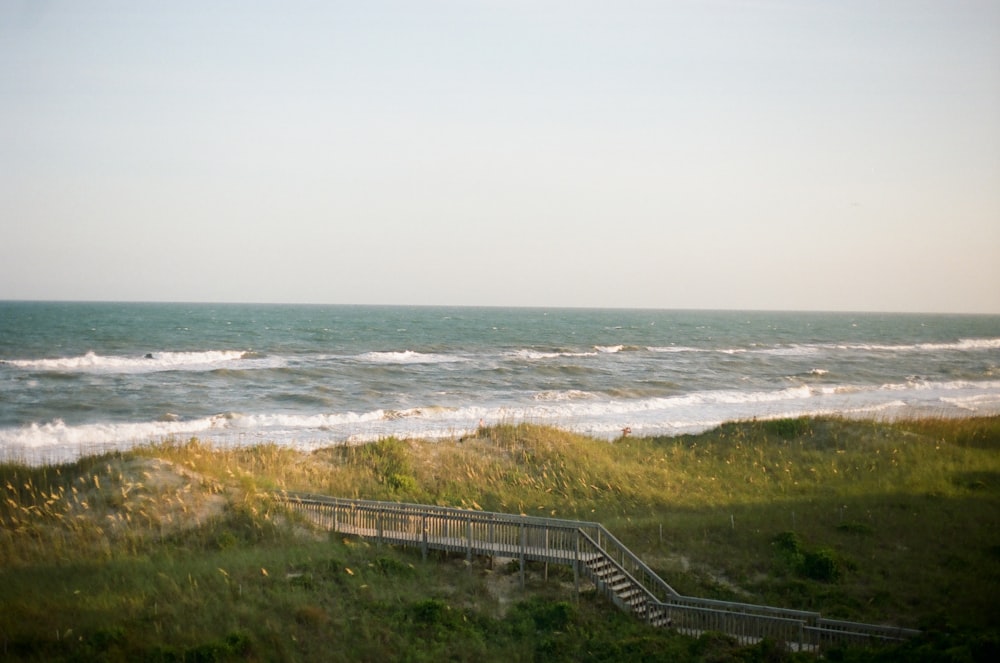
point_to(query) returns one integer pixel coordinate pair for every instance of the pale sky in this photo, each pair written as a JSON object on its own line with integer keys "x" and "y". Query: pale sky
{"x": 799, "y": 154}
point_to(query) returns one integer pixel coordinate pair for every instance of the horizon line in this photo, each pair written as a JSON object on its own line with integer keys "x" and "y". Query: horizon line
{"x": 706, "y": 309}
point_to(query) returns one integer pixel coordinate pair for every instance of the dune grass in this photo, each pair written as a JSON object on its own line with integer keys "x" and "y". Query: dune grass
{"x": 176, "y": 552}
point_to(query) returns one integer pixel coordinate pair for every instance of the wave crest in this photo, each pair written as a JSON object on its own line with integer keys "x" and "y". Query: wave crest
{"x": 91, "y": 362}
{"x": 408, "y": 357}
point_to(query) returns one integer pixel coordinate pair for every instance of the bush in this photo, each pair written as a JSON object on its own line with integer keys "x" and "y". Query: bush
{"x": 788, "y": 542}
{"x": 820, "y": 564}
{"x": 431, "y": 612}
{"x": 389, "y": 461}
{"x": 552, "y": 616}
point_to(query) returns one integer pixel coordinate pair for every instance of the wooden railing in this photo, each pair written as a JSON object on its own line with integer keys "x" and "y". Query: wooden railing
{"x": 585, "y": 546}
{"x": 528, "y": 538}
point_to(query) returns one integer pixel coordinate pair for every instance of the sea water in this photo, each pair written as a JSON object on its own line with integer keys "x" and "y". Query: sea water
{"x": 77, "y": 378}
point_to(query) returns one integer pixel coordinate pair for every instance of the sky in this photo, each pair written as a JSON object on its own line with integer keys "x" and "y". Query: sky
{"x": 709, "y": 154}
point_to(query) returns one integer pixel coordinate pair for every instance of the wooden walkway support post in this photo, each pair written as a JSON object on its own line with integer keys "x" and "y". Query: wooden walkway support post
{"x": 546, "y": 576}
{"x": 524, "y": 546}
{"x": 576, "y": 567}
{"x": 468, "y": 531}
{"x": 423, "y": 537}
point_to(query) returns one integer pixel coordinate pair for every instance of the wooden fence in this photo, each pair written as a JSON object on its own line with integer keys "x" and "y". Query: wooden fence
{"x": 592, "y": 552}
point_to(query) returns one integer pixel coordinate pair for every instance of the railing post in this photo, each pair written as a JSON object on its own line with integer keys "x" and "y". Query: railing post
{"x": 378, "y": 526}
{"x": 423, "y": 540}
{"x": 468, "y": 528}
{"x": 546, "y": 552}
{"x": 491, "y": 528}
{"x": 576, "y": 568}
{"x": 524, "y": 546}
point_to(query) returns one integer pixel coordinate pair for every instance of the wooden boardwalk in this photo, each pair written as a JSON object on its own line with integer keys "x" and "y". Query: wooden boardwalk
{"x": 594, "y": 554}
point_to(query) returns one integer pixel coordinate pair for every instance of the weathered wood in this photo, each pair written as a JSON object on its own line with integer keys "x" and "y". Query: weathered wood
{"x": 592, "y": 551}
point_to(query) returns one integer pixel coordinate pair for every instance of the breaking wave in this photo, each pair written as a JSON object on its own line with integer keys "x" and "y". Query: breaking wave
{"x": 962, "y": 345}
{"x": 151, "y": 362}
{"x": 527, "y": 354}
{"x": 408, "y": 357}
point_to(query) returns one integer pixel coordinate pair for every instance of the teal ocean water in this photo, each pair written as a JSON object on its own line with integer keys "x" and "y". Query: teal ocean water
{"x": 82, "y": 377}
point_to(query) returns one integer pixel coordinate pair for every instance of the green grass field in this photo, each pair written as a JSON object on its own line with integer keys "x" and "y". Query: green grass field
{"x": 176, "y": 551}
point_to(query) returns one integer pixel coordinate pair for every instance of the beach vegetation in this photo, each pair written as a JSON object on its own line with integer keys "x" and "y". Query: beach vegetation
{"x": 178, "y": 550}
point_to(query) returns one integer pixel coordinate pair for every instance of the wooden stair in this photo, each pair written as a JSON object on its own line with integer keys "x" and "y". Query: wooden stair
{"x": 626, "y": 592}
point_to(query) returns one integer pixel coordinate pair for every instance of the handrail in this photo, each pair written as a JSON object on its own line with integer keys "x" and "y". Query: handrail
{"x": 576, "y": 542}
{"x": 868, "y": 630}
{"x": 293, "y": 496}
{"x": 649, "y": 580}
{"x": 648, "y": 596}
{"x": 746, "y": 608}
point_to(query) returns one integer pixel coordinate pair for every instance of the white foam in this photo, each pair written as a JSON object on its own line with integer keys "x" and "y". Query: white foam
{"x": 570, "y": 409}
{"x": 961, "y": 345}
{"x": 917, "y": 383}
{"x": 564, "y": 395}
{"x": 408, "y": 357}
{"x": 92, "y": 362}
{"x": 975, "y": 403}
{"x": 534, "y": 355}
{"x": 965, "y": 344}
{"x": 57, "y": 434}
{"x": 789, "y": 351}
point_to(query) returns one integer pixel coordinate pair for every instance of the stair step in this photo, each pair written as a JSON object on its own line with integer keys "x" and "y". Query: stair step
{"x": 637, "y": 602}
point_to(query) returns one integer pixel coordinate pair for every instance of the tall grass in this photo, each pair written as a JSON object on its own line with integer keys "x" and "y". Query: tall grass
{"x": 176, "y": 551}
{"x": 908, "y": 512}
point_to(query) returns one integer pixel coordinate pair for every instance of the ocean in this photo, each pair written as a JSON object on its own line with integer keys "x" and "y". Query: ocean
{"x": 79, "y": 378}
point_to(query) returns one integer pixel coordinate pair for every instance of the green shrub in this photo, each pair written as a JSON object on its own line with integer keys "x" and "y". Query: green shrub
{"x": 401, "y": 482}
{"x": 431, "y": 612}
{"x": 788, "y": 542}
{"x": 552, "y": 616}
{"x": 820, "y": 564}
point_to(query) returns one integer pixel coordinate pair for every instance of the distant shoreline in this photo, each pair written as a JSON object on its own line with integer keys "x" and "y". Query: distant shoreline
{"x": 494, "y": 307}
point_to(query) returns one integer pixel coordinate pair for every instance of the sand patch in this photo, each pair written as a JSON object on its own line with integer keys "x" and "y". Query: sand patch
{"x": 134, "y": 494}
